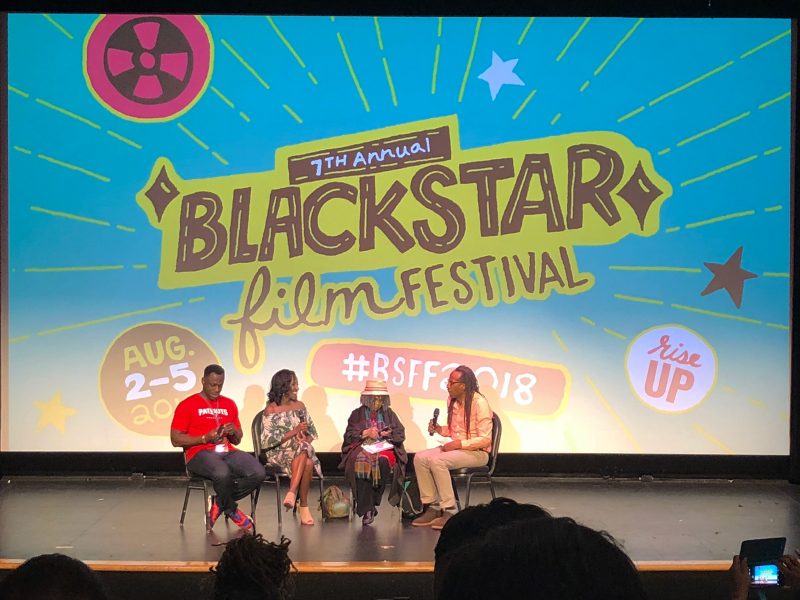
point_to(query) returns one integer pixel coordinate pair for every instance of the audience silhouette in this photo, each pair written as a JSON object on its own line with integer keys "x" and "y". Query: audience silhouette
{"x": 525, "y": 553}
{"x": 252, "y": 568}
{"x": 52, "y": 577}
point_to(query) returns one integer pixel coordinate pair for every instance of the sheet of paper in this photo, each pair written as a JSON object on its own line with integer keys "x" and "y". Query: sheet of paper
{"x": 377, "y": 447}
{"x": 441, "y": 439}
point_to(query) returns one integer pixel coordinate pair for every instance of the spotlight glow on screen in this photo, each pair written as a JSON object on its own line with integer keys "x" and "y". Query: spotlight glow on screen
{"x": 593, "y": 214}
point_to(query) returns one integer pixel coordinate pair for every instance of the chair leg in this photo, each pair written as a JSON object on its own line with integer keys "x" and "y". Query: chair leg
{"x": 185, "y": 503}
{"x": 491, "y": 485}
{"x": 455, "y": 493}
{"x": 278, "y": 502}
{"x": 321, "y": 491}
{"x": 254, "y": 501}
{"x": 469, "y": 485}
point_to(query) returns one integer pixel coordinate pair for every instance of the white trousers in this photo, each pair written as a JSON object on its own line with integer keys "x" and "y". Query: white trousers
{"x": 433, "y": 466}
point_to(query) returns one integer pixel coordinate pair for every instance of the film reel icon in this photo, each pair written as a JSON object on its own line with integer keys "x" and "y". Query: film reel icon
{"x": 148, "y": 67}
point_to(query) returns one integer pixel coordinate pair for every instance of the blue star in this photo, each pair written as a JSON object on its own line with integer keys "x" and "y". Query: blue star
{"x": 500, "y": 73}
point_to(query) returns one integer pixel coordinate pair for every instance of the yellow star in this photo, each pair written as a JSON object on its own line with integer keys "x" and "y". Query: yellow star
{"x": 53, "y": 413}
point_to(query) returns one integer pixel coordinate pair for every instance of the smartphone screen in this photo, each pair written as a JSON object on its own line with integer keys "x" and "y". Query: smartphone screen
{"x": 764, "y": 575}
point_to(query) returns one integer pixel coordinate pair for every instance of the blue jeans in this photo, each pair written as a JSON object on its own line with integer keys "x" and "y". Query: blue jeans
{"x": 235, "y": 474}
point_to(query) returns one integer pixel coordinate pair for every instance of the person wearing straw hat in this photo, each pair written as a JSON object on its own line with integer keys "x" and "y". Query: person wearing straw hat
{"x": 372, "y": 452}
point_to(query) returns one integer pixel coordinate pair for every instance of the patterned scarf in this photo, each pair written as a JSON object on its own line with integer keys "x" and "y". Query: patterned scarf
{"x": 367, "y": 467}
{"x": 367, "y": 463}
{"x": 378, "y": 417}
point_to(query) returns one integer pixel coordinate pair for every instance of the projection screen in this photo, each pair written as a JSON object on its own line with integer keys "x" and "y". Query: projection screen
{"x": 591, "y": 213}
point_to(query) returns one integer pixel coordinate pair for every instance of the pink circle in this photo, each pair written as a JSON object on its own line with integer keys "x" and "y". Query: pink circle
{"x": 147, "y": 60}
{"x": 198, "y": 39}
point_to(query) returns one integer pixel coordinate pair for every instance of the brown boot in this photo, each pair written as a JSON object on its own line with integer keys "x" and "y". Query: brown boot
{"x": 426, "y": 518}
{"x": 439, "y": 523}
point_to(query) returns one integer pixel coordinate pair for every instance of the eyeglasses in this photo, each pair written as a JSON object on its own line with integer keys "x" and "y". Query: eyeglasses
{"x": 453, "y": 381}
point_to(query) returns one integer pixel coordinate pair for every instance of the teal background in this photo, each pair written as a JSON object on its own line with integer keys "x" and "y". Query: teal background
{"x": 747, "y": 411}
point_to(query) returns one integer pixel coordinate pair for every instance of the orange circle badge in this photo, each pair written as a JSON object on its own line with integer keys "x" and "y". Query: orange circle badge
{"x": 147, "y": 370}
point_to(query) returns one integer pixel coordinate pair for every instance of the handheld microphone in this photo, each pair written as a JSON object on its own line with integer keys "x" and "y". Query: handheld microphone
{"x": 435, "y": 418}
{"x": 302, "y": 417}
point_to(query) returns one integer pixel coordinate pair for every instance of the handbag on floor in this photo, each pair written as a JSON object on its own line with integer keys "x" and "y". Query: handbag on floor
{"x": 410, "y": 502}
{"x": 335, "y": 504}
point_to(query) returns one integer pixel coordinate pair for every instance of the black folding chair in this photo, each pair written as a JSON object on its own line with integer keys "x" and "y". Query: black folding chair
{"x": 486, "y": 471}
{"x": 196, "y": 482}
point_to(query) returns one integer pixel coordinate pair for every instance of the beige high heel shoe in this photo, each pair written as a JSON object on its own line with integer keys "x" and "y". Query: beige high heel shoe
{"x": 305, "y": 516}
{"x": 289, "y": 500}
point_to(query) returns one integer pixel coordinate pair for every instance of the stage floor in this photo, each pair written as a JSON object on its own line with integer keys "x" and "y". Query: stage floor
{"x": 134, "y": 522}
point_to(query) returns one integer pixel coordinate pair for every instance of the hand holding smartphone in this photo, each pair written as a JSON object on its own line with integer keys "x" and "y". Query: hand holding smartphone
{"x": 762, "y": 560}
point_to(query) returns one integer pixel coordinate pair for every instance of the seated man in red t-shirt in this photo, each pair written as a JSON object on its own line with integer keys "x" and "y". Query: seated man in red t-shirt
{"x": 206, "y": 426}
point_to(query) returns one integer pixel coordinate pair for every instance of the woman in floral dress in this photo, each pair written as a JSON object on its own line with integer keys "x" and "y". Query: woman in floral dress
{"x": 286, "y": 437}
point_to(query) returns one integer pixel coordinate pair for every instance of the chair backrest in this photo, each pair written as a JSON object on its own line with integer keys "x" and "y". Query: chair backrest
{"x": 497, "y": 432}
{"x": 256, "y": 427}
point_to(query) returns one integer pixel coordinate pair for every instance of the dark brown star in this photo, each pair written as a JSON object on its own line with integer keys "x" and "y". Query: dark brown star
{"x": 729, "y": 276}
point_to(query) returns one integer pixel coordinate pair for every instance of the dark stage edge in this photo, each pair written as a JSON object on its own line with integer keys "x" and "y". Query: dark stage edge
{"x": 680, "y": 533}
